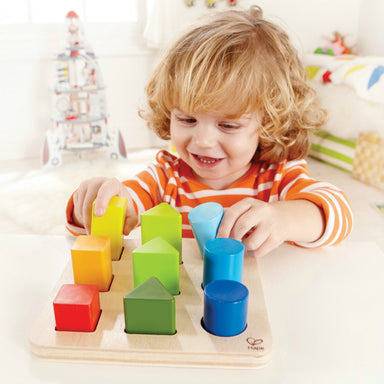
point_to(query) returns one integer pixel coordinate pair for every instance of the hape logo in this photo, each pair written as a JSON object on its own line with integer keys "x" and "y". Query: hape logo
{"x": 255, "y": 344}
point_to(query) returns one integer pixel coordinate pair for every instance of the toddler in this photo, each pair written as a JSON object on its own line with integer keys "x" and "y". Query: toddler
{"x": 232, "y": 96}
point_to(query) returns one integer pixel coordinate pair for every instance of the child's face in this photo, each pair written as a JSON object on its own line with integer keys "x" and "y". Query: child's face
{"x": 218, "y": 149}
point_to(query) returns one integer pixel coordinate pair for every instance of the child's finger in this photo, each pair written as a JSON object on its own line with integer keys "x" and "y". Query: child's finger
{"x": 129, "y": 224}
{"x": 231, "y": 215}
{"x": 131, "y": 218}
{"x": 78, "y": 206}
{"x": 255, "y": 239}
{"x": 263, "y": 249}
{"x": 106, "y": 191}
{"x": 245, "y": 225}
{"x": 87, "y": 210}
{"x": 78, "y": 201}
{"x": 261, "y": 241}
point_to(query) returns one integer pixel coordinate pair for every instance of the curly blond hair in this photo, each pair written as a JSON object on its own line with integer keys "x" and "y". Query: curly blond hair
{"x": 240, "y": 57}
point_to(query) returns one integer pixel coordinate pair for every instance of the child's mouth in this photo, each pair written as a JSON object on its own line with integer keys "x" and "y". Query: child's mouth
{"x": 207, "y": 161}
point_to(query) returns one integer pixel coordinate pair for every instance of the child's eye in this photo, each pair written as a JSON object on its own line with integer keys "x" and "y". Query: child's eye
{"x": 229, "y": 125}
{"x": 187, "y": 120}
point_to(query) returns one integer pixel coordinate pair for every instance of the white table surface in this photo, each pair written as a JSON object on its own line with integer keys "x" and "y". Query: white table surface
{"x": 326, "y": 309}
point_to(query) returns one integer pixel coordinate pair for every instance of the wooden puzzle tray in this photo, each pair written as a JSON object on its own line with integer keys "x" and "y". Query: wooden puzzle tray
{"x": 190, "y": 346}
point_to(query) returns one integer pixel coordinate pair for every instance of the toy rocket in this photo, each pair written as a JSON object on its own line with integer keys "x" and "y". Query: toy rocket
{"x": 79, "y": 105}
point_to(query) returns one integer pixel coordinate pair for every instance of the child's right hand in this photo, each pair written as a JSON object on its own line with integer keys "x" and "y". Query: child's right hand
{"x": 100, "y": 190}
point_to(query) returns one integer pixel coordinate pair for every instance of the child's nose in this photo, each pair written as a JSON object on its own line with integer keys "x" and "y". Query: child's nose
{"x": 204, "y": 135}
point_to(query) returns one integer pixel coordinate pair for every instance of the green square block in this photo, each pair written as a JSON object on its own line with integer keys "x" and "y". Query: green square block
{"x": 150, "y": 309}
{"x": 162, "y": 220}
{"x": 159, "y": 259}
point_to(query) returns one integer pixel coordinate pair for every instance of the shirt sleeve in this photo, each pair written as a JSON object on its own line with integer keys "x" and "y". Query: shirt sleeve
{"x": 298, "y": 184}
{"x": 148, "y": 187}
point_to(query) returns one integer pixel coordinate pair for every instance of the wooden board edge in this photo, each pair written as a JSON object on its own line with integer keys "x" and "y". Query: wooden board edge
{"x": 137, "y": 358}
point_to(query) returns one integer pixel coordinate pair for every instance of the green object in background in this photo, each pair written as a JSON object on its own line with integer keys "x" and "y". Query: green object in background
{"x": 333, "y": 150}
{"x": 150, "y": 309}
{"x": 157, "y": 258}
{"x": 162, "y": 220}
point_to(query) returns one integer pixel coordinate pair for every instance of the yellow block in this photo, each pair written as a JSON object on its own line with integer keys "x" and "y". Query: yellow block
{"x": 111, "y": 224}
{"x": 91, "y": 261}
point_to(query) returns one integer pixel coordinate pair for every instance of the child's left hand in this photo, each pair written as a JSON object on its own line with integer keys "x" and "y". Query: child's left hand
{"x": 262, "y": 226}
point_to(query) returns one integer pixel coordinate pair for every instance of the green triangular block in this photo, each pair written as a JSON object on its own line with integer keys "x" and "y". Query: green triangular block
{"x": 151, "y": 289}
{"x": 158, "y": 246}
{"x": 157, "y": 258}
{"x": 150, "y": 309}
{"x": 162, "y": 220}
{"x": 162, "y": 209}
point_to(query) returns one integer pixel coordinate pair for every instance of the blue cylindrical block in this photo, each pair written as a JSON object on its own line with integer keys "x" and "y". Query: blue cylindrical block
{"x": 225, "y": 307}
{"x": 205, "y": 220}
{"x": 223, "y": 260}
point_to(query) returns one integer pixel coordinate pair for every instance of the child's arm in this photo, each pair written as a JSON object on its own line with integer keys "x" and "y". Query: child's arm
{"x": 308, "y": 212}
{"x": 264, "y": 226}
{"x": 100, "y": 190}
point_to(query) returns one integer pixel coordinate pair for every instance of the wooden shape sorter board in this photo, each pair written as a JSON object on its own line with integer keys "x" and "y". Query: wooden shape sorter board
{"x": 190, "y": 346}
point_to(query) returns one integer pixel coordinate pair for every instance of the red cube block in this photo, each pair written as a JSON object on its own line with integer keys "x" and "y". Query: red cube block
{"x": 77, "y": 307}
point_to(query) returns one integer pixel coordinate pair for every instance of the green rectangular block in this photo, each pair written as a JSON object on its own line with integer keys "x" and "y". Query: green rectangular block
{"x": 162, "y": 220}
{"x": 157, "y": 258}
{"x": 111, "y": 224}
{"x": 150, "y": 309}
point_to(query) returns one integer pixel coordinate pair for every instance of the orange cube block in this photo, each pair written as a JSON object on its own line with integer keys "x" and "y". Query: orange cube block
{"x": 91, "y": 261}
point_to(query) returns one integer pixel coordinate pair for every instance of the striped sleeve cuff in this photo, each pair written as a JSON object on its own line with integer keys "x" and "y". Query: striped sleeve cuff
{"x": 337, "y": 213}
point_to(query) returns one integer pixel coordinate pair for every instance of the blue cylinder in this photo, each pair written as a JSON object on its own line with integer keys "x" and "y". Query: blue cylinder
{"x": 225, "y": 307}
{"x": 205, "y": 220}
{"x": 223, "y": 260}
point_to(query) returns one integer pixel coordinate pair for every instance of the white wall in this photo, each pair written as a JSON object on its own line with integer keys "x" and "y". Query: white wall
{"x": 371, "y": 28}
{"x": 25, "y": 97}
{"x": 306, "y": 20}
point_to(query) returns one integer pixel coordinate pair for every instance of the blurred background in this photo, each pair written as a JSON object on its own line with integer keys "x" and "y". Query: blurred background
{"x": 127, "y": 37}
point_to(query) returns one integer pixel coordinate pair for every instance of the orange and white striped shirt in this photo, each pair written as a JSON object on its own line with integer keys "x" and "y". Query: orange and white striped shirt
{"x": 171, "y": 180}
